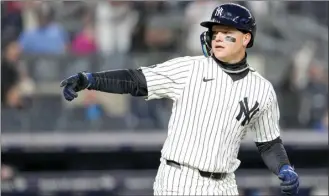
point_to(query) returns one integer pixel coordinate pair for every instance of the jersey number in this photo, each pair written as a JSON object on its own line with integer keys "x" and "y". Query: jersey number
{"x": 248, "y": 114}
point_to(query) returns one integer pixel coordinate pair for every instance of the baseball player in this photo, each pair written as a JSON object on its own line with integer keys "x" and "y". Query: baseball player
{"x": 217, "y": 99}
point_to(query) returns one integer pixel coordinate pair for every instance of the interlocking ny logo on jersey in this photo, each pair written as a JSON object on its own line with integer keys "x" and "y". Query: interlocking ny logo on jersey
{"x": 248, "y": 114}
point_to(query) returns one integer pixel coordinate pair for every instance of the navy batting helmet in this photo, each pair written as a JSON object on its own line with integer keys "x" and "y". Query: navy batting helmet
{"x": 230, "y": 14}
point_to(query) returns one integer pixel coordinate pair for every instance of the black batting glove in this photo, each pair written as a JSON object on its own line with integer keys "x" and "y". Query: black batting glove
{"x": 290, "y": 181}
{"x": 73, "y": 84}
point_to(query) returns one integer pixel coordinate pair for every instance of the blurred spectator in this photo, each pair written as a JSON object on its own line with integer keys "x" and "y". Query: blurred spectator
{"x": 196, "y": 12}
{"x": 10, "y": 95}
{"x": 115, "y": 21}
{"x": 85, "y": 43}
{"x": 11, "y": 17}
{"x": 145, "y": 38}
{"x": 30, "y": 20}
{"x": 138, "y": 43}
{"x": 16, "y": 86}
{"x": 167, "y": 22}
{"x": 163, "y": 43}
{"x": 72, "y": 15}
{"x": 289, "y": 99}
{"x": 7, "y": 172}
{"x": 315, "y": 102}
{"x": 48, "y": 37}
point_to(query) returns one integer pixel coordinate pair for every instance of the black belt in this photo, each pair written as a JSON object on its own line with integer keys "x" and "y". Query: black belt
{"x": 217, "y": 176}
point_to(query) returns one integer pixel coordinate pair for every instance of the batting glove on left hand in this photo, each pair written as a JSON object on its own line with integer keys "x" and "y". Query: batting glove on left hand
{"x": 74, "y": 84}
{"x": 290, "y": 180}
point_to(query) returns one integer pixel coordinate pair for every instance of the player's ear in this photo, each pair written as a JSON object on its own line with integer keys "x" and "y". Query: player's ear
{"x": 246, "y": 39}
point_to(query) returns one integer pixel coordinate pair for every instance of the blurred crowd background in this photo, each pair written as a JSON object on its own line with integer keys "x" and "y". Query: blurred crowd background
{"x": 42, "y": 42}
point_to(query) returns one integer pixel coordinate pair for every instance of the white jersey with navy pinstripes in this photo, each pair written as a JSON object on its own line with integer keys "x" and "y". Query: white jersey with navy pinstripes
{"x": 211, "y": 112}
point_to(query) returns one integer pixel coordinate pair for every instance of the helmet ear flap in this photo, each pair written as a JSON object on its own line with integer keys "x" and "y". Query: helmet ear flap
{"x": 206, "y": 43}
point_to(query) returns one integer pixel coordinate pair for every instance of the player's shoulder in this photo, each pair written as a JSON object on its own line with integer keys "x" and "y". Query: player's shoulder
{"x": 186, "y": 59}
{"x": 269, "y": 90}
{"x": 183, "y": 61}
{"x": 261, "y": 79}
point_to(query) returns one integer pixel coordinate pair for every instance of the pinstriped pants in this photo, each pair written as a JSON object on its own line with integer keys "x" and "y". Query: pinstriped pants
{"x": 187, "y": 181}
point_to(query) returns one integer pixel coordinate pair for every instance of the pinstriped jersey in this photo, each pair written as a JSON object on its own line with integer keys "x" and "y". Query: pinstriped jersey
{"x": 211, "y": 113}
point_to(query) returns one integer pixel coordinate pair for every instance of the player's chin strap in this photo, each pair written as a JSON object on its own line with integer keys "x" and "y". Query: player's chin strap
{"x": 207, "y": 52}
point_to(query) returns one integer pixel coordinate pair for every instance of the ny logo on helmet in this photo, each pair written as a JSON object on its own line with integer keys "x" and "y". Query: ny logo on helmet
{"x": 219, "y": 11}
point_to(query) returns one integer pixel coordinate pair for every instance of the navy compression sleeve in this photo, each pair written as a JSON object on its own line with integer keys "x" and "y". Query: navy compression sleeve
{"x": 273, "y": 154}
{"x": 126, "y": 81}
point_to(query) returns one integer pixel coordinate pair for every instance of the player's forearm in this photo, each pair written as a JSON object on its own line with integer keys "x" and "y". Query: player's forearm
{"x": 126, "y": 81}
{"x": 273, "y": 154}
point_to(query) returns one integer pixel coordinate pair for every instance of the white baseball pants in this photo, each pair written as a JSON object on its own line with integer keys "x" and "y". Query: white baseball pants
{"x": 172, "y": 180}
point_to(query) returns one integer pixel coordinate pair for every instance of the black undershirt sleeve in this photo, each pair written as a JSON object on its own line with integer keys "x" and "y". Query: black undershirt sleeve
{"x": 273, "y": 154}
{"x": 125, "y": 81}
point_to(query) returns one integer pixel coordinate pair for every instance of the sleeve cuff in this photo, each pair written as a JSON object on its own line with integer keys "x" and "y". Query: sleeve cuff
{"x": 90, "y": 79}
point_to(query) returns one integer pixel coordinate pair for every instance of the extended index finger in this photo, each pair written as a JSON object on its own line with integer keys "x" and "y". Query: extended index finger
{"x": 64, "y": 83}
{"x": 70, "y": 80}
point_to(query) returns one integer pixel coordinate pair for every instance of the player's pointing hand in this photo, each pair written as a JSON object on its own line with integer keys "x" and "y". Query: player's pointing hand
{"x": 74, "y": 84}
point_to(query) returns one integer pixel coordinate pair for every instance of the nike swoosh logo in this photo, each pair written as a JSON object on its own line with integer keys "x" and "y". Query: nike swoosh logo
{"x": 207, "y": 80}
